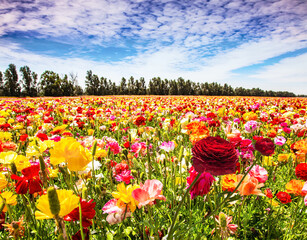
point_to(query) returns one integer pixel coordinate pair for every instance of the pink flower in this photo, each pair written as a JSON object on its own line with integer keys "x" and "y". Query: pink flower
{"x": 115, "y": 213}
{"x": 305, "y": 200}
{"x": 148, "y": 193}
{"x": 259, "y": 173}
{"x": 251, "y": 126}
{"x": 279, "y": 140}
{"x": 139, "y": 148}
{"x": 203, "y": 184}
{"x": 287, "y": 130}
{"x": 124, "y": 176}
{"x": 167, "y": 146}
{"x": 224, "y": 228}
{"x": 304, "y": 190}
{"x": 114, "y": 147}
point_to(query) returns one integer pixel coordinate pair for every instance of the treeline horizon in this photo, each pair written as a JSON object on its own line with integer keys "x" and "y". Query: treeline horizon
{"x": 51, "y": 84}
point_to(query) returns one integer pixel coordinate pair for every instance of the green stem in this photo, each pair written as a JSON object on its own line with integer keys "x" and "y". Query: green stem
{"x": 170, "y": 232}
{"x": 80, "y": 220}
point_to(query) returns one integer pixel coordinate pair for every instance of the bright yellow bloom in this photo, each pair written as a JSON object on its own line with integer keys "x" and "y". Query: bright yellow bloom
{"x": 22, "y": 162}
{"x": 53, "y": 172}
{"x": 124, "y": 196}
{"x": 6, "y": 158}
{"x": 283, "y": 157}
{"x": 69, "y": 150}
{"x": 68, "y": 202}
{"x": 10, "y": 199}
{"x": 5, "y": 136}
{"x": 59, "y": 129}
{"x": 101, "y": 153}
{"x": 90, "y": 132}
{"x": 295, "y": 187}
{"x": 3, "y": 182}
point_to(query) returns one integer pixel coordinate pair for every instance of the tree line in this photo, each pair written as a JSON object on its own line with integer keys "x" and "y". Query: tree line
{"x": 51, "y": 84}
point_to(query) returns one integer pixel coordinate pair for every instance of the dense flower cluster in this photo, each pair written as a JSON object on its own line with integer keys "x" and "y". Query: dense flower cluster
{"x": 123, "y": 167}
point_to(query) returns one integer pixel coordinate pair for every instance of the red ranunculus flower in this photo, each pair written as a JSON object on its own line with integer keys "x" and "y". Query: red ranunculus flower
{"x": 140, "y": 121}
{"x": 265, "y": 146}
{"x": 88, "y": 213}
{"x": 283, "y": 197}
{"x": 214, "y": 155}
{"x": 202, "y": 185}
{"x": 23, "y": 138}
{"x": 42, "y": 136}
{"x": 301, "y": 171}
{"x": 29, "y": 181}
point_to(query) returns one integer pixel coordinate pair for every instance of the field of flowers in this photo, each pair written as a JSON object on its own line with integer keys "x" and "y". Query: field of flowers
{"x": 152, "y": 167}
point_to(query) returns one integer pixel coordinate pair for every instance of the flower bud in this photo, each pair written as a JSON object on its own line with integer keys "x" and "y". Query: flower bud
{"x": 54, "y": 202}
{"x": 222, "y": 219}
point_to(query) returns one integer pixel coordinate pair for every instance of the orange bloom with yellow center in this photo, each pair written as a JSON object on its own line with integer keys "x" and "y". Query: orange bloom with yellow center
{"x": 295, "y": 187}
{"x": 229, "y": 182}
{"x": 300, "y": 148}
{"x": 197, "y": 131}
{"x": 249, "y": 185}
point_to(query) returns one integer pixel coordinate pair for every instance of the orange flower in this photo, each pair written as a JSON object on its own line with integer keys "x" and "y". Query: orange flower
{"x": 295, "y": 187}
{"x": 249, "y": 186}
{"x": 229, "y": 182}
{"x": 197, "y": 131}
{"x": 300, "y": 149}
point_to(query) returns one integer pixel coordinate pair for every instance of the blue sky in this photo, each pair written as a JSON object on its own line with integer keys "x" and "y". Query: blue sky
{"x": 248, "y": 43}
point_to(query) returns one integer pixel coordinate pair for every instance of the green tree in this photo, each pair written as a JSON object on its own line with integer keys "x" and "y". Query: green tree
{"x": 11, "y": 84}
{"x": 29, "y": 82}
{"x": 1, "y": 84}
{"x": 92, "y": 84}
{"x": 50, "y": 84}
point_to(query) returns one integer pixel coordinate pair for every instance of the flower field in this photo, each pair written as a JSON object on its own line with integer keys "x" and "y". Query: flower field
{"x": 152, "y": 167}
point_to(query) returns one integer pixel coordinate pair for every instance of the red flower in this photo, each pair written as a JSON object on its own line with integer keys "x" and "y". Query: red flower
{"x": 283, "y": 197}
{"x": 30, "y": 180}
{"x": 301, "y": 171}
{"x": 23, "y": 138}
{"x": 140, "y": 121}
{"x": 127, "y": 144}
{"x": 88, "y": 213}
{"x": 77, "y": 235}
{"x": 214, "y": 155}
{"x": 265, "y": 146}
{"x": 202, "y": 185}
{"x": 42, "y": 136}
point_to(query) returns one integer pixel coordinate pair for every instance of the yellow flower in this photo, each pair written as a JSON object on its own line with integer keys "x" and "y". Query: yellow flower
{"x": 10, "y": 199}
{"x": 283, "y": 157}
{"x": 90, "y": 132}
{"x": 10, "y": 121}
{"x": 100, "y": 153}
{"x": 3, "y": 182}
{"x": 68, "y": 202}
{"x": 124, "y": 196}
{"x": 53, "y": 172}
{"x": 60, "y": 129}
{"x": 22, "y": 162}
{"x": 268, "y": 161}
{"x": 6, "y": 158}
{"x": 69, "y": 150}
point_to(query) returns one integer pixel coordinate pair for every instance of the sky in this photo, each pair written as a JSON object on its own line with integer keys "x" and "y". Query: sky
{"x": 244, "y": 43}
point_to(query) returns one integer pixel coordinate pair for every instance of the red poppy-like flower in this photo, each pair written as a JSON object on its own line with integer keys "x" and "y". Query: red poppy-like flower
{"x": 265, "y": 146}
{"x": 42, "y": 136}
{"x": 88, "y": 213}
{"x": 301, "y": 171}
{"x": 23, "y": 138}
{"x": 29, "y": 181}
{"x": 214, "y": 155}
{"x": 283, "y": 197}
{"x": 140, "y": 121}
{"x": 202, "y": 185}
